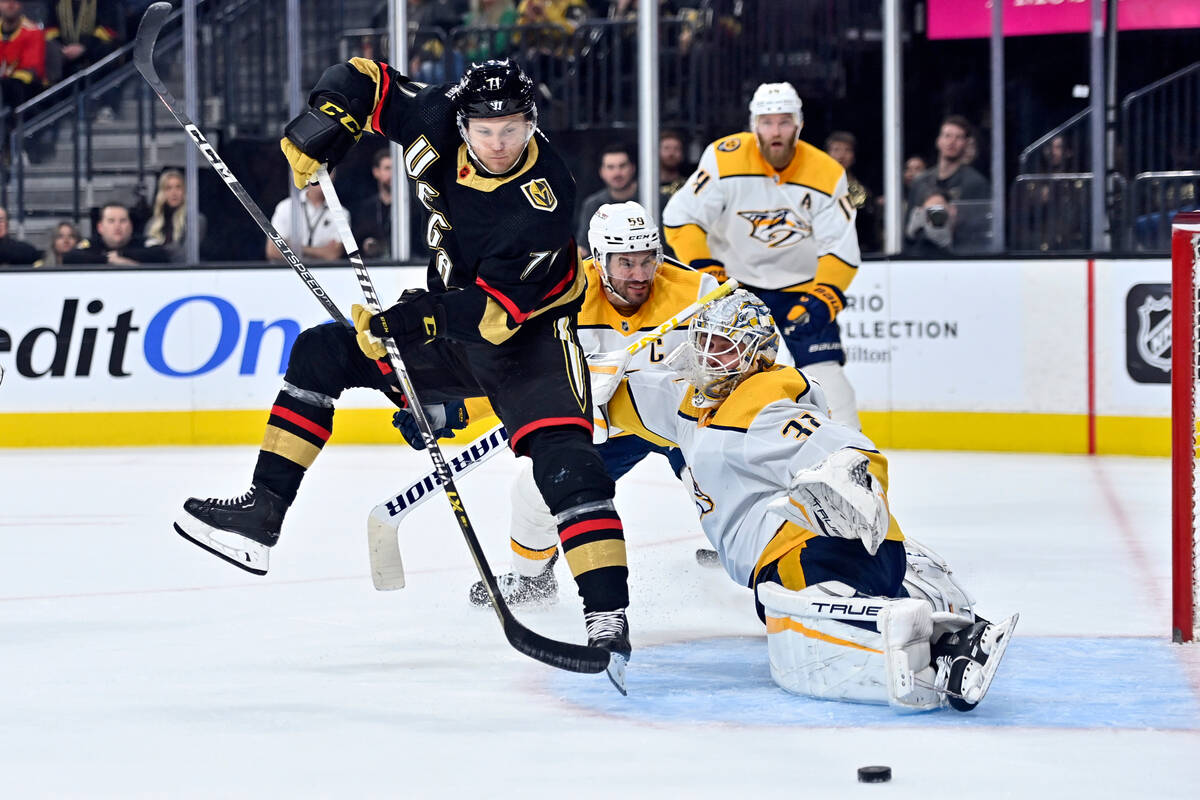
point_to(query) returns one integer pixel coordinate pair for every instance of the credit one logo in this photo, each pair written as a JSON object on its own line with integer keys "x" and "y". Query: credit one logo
{"x": 90, "y": 338}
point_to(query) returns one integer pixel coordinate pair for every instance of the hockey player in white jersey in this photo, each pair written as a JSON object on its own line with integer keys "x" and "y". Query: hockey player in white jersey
{"x": 774, "y": 212}
{"x": 796, "y": 506}
{"x": 630, "y": 292}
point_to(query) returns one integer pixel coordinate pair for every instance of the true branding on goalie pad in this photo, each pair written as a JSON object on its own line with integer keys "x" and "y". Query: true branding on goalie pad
{"x": 825, "y": 642}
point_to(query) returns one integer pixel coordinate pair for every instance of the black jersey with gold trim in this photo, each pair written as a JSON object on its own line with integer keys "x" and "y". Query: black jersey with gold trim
{"x": 502, "y": 248}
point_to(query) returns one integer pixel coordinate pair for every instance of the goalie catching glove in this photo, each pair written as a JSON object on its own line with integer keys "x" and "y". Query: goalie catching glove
{"x": 321, "y": 135}
{"x": 444, "y": 420}
{"x": 814, "y": 309}
{"x": 838, "y": 497}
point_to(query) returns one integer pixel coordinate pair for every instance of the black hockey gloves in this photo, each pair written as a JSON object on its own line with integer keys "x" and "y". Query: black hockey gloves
{"x": 444, "y": 419}
{"x": 416, "y": 316}
{"x": 814, "y": 309}
{"x": 711, "y": 266}
{"x": 321, "y": 135}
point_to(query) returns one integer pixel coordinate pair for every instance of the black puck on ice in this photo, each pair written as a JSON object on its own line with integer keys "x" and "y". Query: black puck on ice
{"x": 874, "y": 774}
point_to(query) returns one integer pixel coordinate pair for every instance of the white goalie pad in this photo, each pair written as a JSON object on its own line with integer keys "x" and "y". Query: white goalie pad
{"x": 928, "y": 577}
{"x": 838, "y": 497}
{"x": 814, "y": 651}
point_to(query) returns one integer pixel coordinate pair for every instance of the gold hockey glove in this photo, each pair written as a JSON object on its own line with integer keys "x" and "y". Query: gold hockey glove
{"x": 372, "y": 346}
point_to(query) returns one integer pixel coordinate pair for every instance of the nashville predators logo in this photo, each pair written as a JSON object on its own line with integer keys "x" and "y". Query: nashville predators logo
{"x": 540, "y": 195}
{"x": 729, "y": 145}
{"x": 781, "y": 227}
{"x": 704, "y": 503}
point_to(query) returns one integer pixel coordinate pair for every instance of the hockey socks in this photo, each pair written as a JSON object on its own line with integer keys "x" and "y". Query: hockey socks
{"x": 594, "y": 545}
{"x": 300, "y": 424}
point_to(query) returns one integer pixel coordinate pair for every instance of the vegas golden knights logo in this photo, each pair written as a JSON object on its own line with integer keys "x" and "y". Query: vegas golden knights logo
{"x": 540, "y": 195}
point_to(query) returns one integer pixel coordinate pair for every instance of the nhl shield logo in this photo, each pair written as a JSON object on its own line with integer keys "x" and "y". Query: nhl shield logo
{"x": 1153, "y": 337}
{"x": 1148, "y": 332}
{"x": 540, "y": 195}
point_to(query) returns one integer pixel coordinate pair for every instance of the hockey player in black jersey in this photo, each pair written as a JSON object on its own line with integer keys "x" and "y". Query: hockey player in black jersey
{"x": 496, "y": 320}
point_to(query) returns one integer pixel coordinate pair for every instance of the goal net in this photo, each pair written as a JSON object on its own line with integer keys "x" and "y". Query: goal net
{"x": 1185, "y": 372}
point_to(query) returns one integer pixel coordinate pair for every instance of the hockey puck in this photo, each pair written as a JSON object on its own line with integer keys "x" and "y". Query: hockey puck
{"x": 874, "y": 774}
{"x": 707, "y": 558}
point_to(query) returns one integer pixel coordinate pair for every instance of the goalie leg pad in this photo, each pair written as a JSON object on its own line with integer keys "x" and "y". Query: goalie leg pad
{"x": 827, "y": 643}
{"x": 929, "y": 577}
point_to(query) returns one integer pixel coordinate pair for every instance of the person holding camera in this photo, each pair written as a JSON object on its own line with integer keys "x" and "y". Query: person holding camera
{"x": 960, "y": 224}
{"x": 930, "y": 229}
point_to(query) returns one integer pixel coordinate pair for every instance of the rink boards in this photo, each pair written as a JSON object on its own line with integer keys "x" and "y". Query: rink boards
{"x": 1037, "y": 355}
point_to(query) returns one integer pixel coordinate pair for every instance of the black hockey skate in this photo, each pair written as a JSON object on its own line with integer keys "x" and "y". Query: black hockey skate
{"x": 240, "y": 530}
{"x": 518, "y": 591}
{"x": 967, "y": 660}
{"x": 609, "y": 630}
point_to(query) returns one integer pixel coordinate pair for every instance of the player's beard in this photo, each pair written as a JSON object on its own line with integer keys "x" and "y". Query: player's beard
{"x": 786, "y": 150}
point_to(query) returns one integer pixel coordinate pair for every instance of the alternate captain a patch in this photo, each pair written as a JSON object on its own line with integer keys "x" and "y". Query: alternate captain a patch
{"x": 540, "y": 195}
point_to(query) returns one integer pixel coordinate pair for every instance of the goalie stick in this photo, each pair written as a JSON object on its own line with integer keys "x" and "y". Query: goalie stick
{"x": 383, "y": 523}
{"x": 563, "y": 655}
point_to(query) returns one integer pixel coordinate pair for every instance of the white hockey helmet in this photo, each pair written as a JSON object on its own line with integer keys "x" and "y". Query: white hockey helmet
{"x": 622, "y": 228}
{"x": 740, "y": 323}
{"x": 776, "y": 98}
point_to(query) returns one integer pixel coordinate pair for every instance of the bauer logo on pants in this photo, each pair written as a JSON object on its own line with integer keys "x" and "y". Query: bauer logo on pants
{"x": 1148, "y": 332}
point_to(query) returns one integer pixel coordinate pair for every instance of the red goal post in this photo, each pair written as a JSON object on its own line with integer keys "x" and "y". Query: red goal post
{"x": 1185, "y": 490}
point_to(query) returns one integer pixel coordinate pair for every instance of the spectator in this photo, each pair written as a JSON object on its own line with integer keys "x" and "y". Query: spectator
{"x": 913, "y": 166}
{"x": 958, "y": 183}
{"x": 432, "y": 21}
{"x": 672, "y": 172}
{"x": 14, "y": 251}
{"x": 168, "y": 219}
{"x": 373, "y": 216}
{"x": 79, "y": 33}
{"x": 930, "y": 229}
{"x": 492, "y": 17}
{"x": 22, "y": 55}
{"x": 320, "y": 240}
{"x": 115, "y": 242}
{"x": 841, "y": 146}
{"x": 618, "y": 170}
{"x": 66, "y": 237}
{"x": 556, "y": 20}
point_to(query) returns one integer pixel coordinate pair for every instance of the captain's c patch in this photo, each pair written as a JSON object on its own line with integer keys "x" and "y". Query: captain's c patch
{"x": 540, "y": 195}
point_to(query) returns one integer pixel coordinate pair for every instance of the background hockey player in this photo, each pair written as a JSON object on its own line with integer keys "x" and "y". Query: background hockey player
{"x": 497, "y": 319}
{"x": 774, "y": 212}
{"x": 796, "y": 506}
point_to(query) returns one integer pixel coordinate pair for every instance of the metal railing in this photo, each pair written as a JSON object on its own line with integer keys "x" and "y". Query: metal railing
{"x": 1156, "y": 198}
{"x": 1160, "y": 124}
{"x": 1063, "y": 149}
{"x": 71, "y": 104}
{"x": 1050, "y": 213}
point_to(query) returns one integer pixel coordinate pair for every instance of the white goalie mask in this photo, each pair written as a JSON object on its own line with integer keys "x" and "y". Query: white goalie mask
{"x": 776, "y": 98}
{"x": 728, "y": 341}
{"x": 618, "y": 228}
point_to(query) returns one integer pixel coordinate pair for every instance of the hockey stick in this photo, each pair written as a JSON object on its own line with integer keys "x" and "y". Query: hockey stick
{"x": 143, "y": 58}
{"x": 383, "y": 524}
{"x": 564, "y": 655}
{"x": 576, "y": 658}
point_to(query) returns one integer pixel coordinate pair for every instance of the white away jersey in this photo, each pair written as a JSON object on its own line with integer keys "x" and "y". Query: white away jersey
{"x": 743, "y": 453}
{"x": 771, "y": 229}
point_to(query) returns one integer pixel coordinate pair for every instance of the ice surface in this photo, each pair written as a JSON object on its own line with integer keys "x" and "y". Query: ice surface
{"x": 136, "y": 665}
